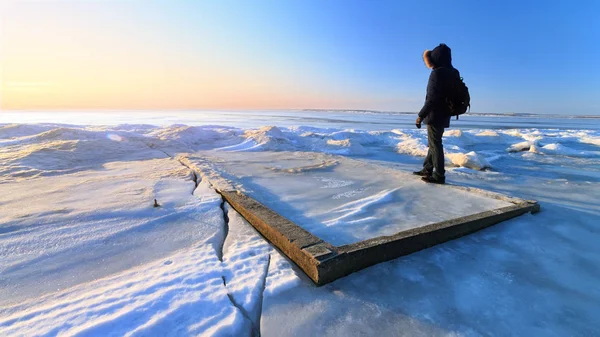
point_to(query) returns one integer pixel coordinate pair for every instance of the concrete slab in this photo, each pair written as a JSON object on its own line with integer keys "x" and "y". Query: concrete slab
{"x": 376, "y": 225}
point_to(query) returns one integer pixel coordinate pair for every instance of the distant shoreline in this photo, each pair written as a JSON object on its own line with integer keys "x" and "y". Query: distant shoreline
{"x": 481, "y": 114}
{"x": 259, "y": 111}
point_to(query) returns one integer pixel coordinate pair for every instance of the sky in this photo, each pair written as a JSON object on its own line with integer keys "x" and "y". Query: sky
{"x": 515, "y": 56}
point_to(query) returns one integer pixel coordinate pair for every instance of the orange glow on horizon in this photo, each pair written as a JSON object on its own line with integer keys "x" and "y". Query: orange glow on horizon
{"x": 70, "y": 80}
{"x": 48, "y": 82}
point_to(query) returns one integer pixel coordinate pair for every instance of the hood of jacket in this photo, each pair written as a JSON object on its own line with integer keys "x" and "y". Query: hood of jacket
{"x": 440, "y": 56}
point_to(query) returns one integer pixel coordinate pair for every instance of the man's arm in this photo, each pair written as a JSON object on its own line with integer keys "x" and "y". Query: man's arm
{"x": 434, "y": 94}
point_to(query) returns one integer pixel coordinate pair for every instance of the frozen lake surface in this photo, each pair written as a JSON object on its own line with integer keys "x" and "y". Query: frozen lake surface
{"x": 362, "y": 120}
{"x": 85, "y": 253}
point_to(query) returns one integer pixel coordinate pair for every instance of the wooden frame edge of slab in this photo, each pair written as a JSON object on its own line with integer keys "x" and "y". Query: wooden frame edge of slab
{"x": 299, "y": 245}
{"x": 363, "y": 254}
{"x": 324, "y": 263}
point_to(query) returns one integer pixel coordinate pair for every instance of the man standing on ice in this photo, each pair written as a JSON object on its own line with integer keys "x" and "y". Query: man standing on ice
{"x": 436, "y": 111}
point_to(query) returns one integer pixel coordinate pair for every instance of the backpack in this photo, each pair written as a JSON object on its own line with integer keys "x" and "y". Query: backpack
{"x": 460, "y": 101}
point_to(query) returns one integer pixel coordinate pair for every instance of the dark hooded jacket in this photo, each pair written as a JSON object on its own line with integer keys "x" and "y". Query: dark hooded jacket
{"x": 436, "y": 111}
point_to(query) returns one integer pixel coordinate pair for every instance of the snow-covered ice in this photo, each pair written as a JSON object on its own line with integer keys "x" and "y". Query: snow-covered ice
{"x": 84, "y": 252}
{"x": 342, "y": 200}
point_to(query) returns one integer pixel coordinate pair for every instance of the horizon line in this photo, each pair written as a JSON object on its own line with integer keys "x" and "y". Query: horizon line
{"x": 508, "y": 113}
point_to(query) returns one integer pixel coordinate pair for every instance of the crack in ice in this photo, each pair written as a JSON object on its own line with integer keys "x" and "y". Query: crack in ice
{"x": 262, "y": 293}
{"x": 225, "y": 229}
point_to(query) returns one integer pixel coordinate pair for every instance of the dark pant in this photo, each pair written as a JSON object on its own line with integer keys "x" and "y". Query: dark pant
{"x": 435, "y": 155}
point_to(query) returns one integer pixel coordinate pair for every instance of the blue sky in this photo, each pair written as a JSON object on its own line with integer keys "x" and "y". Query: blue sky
{"x": 515, "y": 56}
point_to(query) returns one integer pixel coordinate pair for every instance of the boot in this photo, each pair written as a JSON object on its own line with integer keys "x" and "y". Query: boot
{"x": 423, "y": 173}
{"x": 434, "y": 180}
